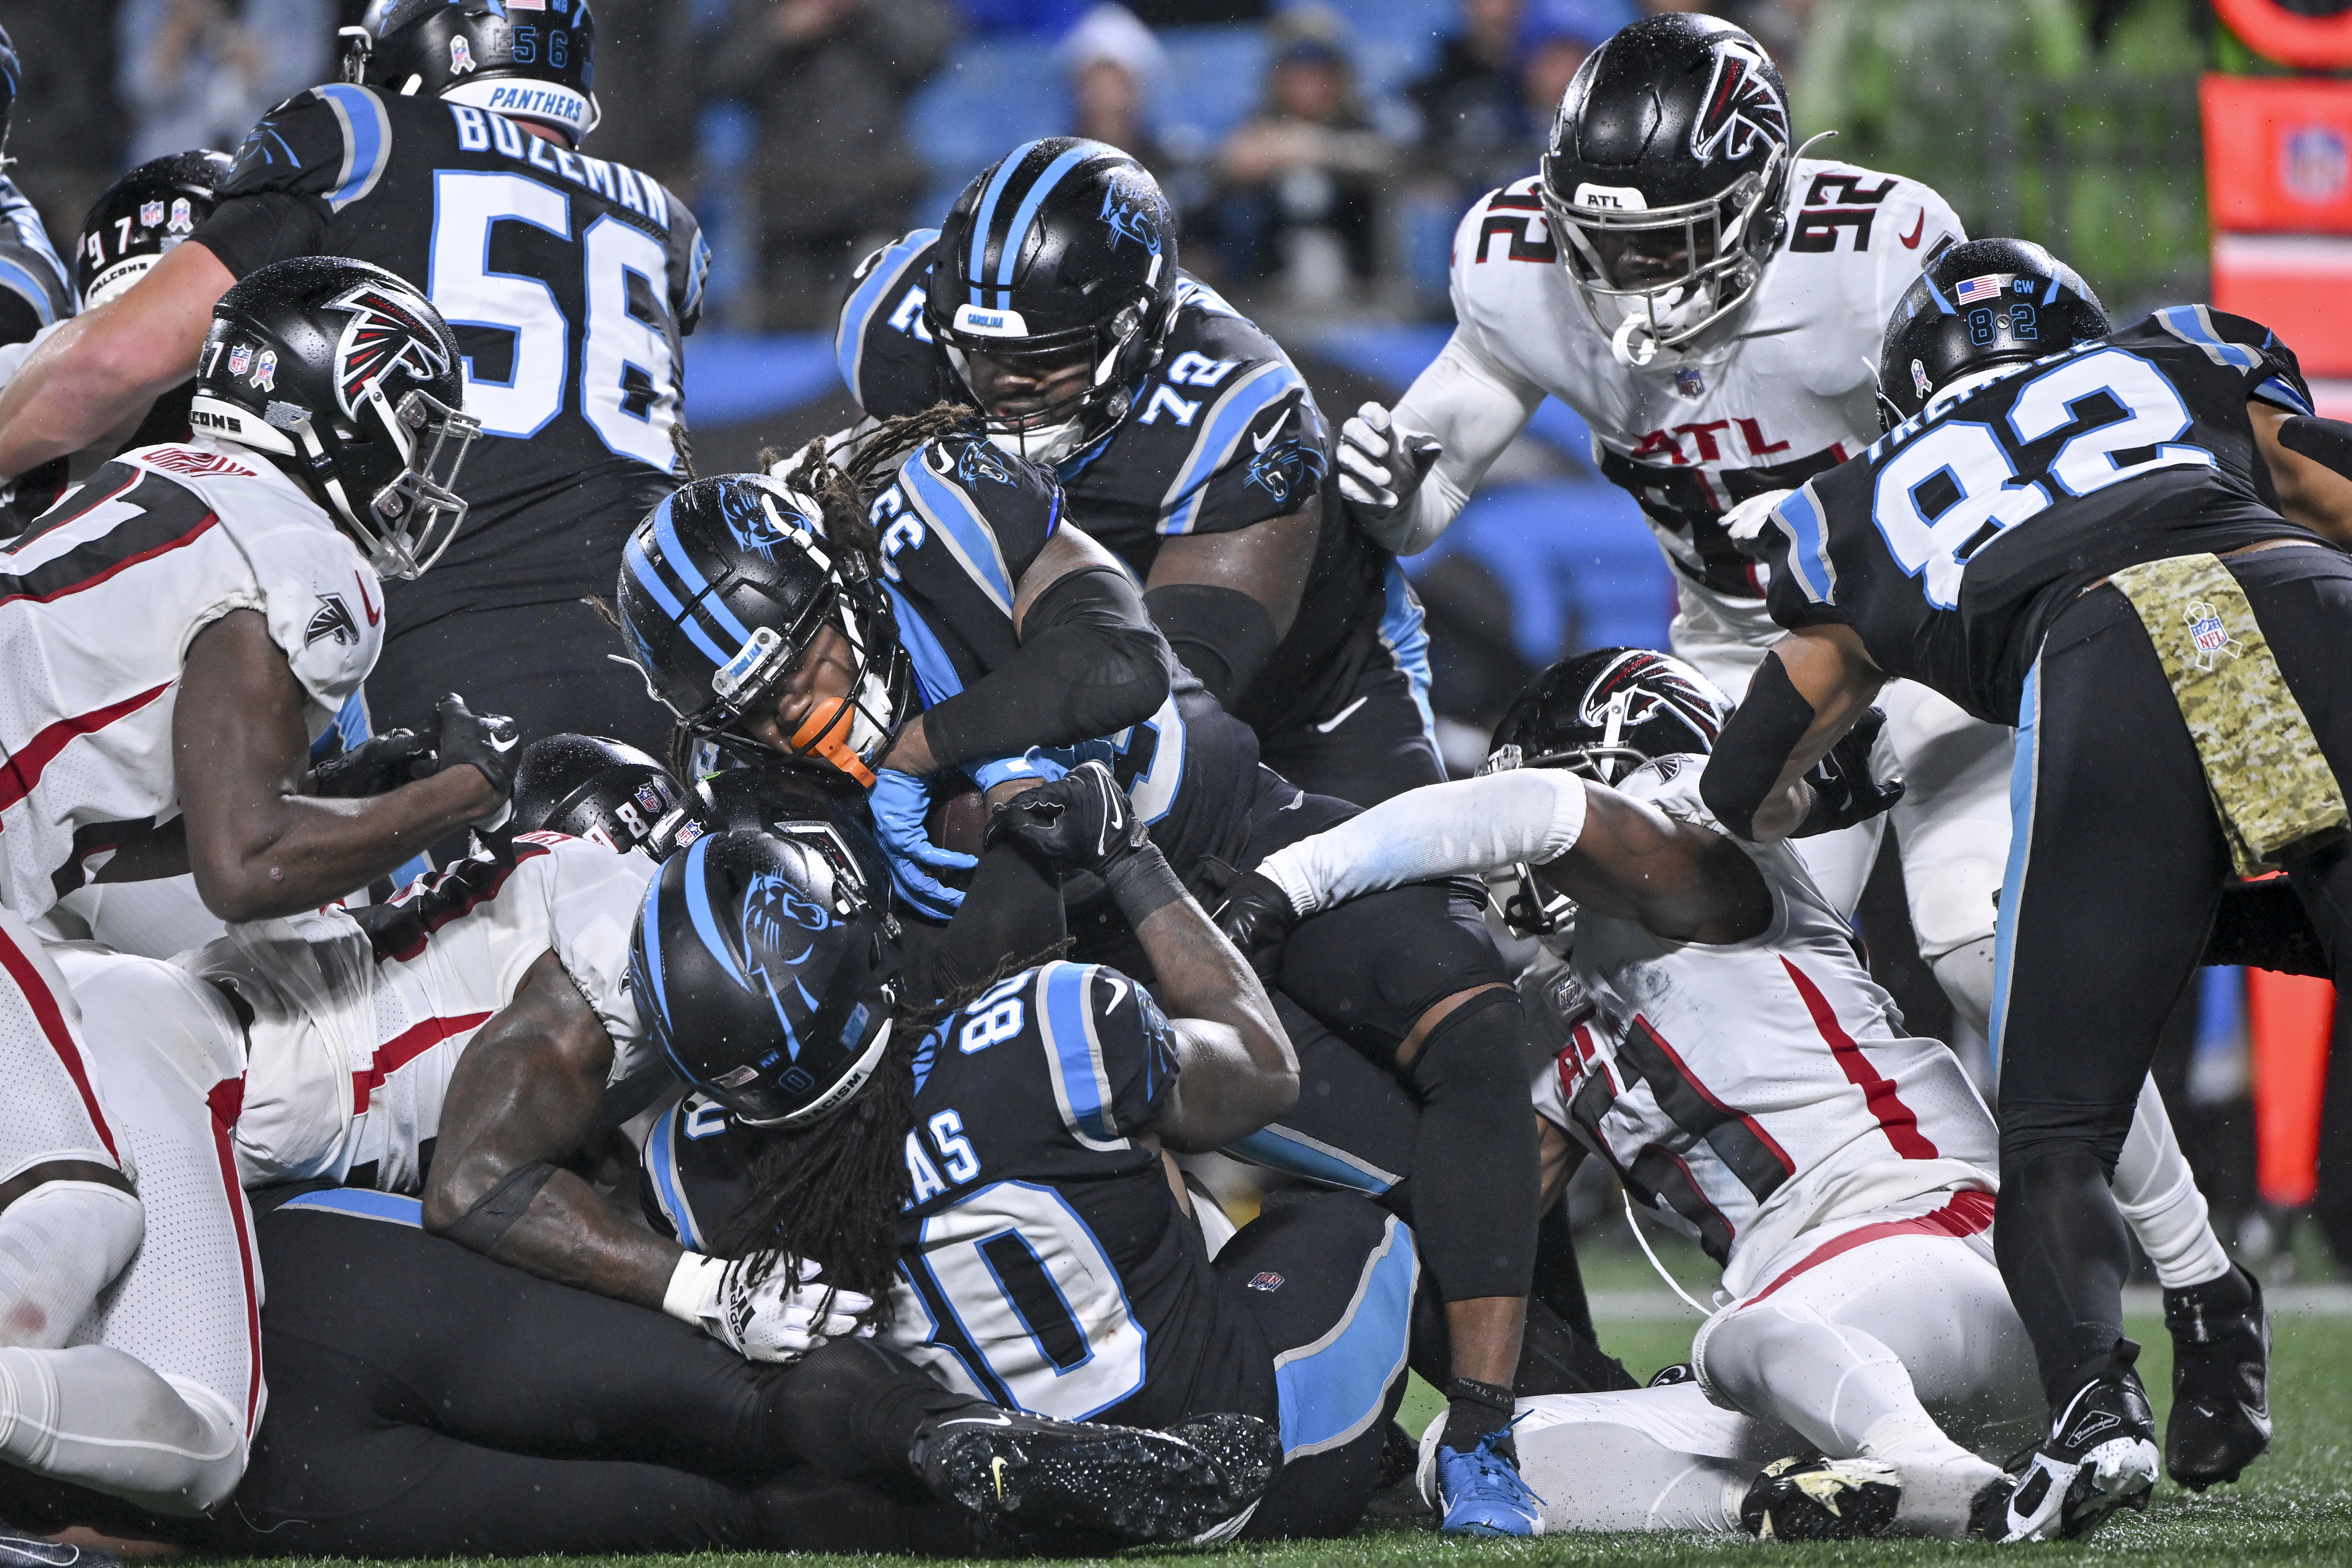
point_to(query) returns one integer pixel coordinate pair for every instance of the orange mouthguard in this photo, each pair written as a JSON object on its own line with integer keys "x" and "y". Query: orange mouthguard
{"x": 825, "y": 733}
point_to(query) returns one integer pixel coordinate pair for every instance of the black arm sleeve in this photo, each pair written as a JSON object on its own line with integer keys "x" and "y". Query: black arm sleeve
{"x": 2323, "y": 441}
{"x": 18, "y": 320}
{"x": 1768, "y": 725}
{"x": 1222, "y": 635}
{"x": 248, "y": 233}
{"x": 1091, "y": 663}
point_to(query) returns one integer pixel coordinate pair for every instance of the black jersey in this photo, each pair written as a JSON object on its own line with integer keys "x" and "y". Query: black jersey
{"x": 569, "y": 281}
{"x": 960, "y": 527}
{"x": 1043, "y": 1262}
{"x": 35, "y": 288}
{"x": 1224, "y": 435}
{"x": 1955, "y": 538}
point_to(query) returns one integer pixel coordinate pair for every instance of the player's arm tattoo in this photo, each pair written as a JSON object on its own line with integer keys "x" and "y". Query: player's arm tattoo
{"x": 528, "y": 1092}
{"x": 258, "y": 846}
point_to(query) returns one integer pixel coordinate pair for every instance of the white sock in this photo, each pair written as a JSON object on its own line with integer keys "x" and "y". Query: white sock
{"x": 60, "y": 1245}
{"x": 2157, "y": 1194}
{"x": 99, "y": 1418}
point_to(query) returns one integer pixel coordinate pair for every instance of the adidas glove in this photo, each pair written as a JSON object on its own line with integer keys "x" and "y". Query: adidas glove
{"x": 488, "y": 742}
{"x": 759, "y": 1308}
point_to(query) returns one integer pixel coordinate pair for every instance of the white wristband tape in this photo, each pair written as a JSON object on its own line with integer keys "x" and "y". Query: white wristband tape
{"x": 692, "y": 1284}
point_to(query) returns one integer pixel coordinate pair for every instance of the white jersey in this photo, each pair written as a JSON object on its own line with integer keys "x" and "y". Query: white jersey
{"x": 354, "y": 1037}
{"x": 1790, "y": 394}
{"x": 1754, "y": 1090}
{"x": 99, "y": 599}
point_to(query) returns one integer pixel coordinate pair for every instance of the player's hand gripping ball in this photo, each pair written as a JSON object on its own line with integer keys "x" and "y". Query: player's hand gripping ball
{"x": 1081, "y": 822}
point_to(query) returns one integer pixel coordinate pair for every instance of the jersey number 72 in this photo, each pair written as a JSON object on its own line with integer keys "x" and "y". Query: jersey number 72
{"x": 629, "y": 380}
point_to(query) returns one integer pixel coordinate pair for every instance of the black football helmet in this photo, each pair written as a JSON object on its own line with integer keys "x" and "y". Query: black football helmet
{"x": 766, "y": 973}
{"x": 1988, "y": 302}
{"x": 347, "y": 378}
{"x": 599, "y": 789}
{"x": 1064, "y": 246}
{"x": 1665, "y": 181}
{"x": 536, "y": 63}
{"x": 724, "y": 586}
{"x": 797, "y": 801}
{"x": 1600, "y": 715}
{"x": 142, "y": 215}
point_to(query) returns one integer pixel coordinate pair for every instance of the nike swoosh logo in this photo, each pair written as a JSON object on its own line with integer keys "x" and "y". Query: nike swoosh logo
{"x": 1911, "y": 240}
{"x": 506, "y": 745}
{"x": 1340, "y": 718}
{"x": 979, "y": 1421}
{"x": 1260, "y": 443}
{"x": 374, "y": 615}
{"x": 996, "y": 1474}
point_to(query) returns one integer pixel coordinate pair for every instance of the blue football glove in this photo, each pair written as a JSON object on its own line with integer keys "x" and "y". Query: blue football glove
{"x": 1034, "y": 764}
{"x": 900, "y": 801}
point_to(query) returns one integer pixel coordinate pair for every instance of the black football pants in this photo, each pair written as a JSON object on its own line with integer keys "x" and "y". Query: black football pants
{"x": 2115, "y": 876}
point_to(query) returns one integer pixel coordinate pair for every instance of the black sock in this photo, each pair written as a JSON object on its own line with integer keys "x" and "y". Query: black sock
{"x": 852, "y": 1408}
{"x": 1476, "y": 1410}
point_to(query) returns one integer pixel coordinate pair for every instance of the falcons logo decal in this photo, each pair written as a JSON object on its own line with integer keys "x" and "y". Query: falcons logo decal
{"x": 1677, "y": 695}
{"x": 386, "y": 331}
{"x": 1742, "y": 104}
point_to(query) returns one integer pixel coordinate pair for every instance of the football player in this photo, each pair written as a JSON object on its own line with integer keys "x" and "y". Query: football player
{"x": 994, "y": 1173}
{"x": 1732, "y": 1062}
{"x": 775, "y": 625}
{"x": 450, "y": 156}
{"x": 36, "y": 294}
{"x": 1709, "y": 302}
{"x": 1051, "y": 300}
{"x": 2179, "y": 722}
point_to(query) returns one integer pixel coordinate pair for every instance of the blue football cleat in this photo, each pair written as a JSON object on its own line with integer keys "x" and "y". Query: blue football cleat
{"x": 1481, "y": 1492}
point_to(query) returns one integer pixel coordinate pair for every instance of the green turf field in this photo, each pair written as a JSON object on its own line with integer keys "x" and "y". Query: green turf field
{"x": 2295, "y": 1506}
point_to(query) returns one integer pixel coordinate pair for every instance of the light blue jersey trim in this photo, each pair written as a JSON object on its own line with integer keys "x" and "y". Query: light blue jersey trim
{"x": 1333, "y": 1390}
{"x": 960, "y": 525}
{"x": 1808, "y": 544}
{"x": 360, "y": 1203}
{"x": 935, "y": 672}
{"x": 367, "y": 140}
{"x": 1404, "y": 631}
{"x": 1227, "y": 422}
{"x": 2278, "y": 390}
{"x": 2194, "y": 324}
{"x": 1074, "y": 1055}
{"x": 661, "y": 1164}
{"x": 1280, "y": 1148}
{"x": 17, "y": 280}
{"x": 849, "y": 337}
{"x": 2022, "y": 788}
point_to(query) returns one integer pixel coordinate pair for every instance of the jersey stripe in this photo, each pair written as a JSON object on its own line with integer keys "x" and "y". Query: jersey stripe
{"x": 2278, "y": 390}
{"x": 1808, "y": 544}
{"x": 22, "y": 775}
{"x": 1896, "y": 1120}
{"x": 978, "y": 271}
{"x": 2194, "y": 324}
{"x": 1331, "y": 1391}
{"x": 367, "y": 142}
{"x": 2024, "y": 782}
{"x": 1285, "y": 1149}
{"x": 1009, "y": 253}
{"x": 1227, "y": 422}
{"x": 934, "y": 671}
{"x": 849, "y": 337}
{"x": 1074, "y": 1056}
{"x": 359, "y": 1203}
{"x": 960, "y": 525}
{"x": 661, "y": 1160}
{"x": 405, "y": 1047}
{"x": 1966, "y": 1213}
{"x": 17, "y": 280}
{"x": 226, "y": 1101}
{"x": 35, "y": 990}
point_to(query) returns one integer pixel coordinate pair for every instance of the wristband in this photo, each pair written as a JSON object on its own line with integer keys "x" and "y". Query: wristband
{"x": 692, "y": 1284}
{"x": 1141, "y": 883}
{"x": 1757, "y": 740}
{"x": 1033, "y": 763}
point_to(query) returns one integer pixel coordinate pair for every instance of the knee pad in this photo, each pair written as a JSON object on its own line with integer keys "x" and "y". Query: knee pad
{"x": 1478, "y": 1049}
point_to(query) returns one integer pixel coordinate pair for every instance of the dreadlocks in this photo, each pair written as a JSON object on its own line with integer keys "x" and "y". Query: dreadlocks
{"x": 833, "y": 1194}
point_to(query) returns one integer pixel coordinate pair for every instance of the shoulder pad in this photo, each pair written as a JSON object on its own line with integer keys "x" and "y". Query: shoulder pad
{"x": 1505, "y": 225}
{"x": 881, "y": 345}
{"x": 330, "y": 141}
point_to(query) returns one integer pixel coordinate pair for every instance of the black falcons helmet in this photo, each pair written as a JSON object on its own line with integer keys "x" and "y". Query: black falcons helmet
{"x": 1064, "y": 246}
{"x": 1666, "y": 179}
{"x": 532, "y": 62}
{"x": 723, "y": 588}
{"x": 12, "y": 78}
{"x": 1599, "y": 715}
{"x": 142, "y": 215}
{"x": 598, "y": 789}
{"x": 766, "y": 974}
{"x": 344, "y": 375}
{"x": 1989, "y": 301}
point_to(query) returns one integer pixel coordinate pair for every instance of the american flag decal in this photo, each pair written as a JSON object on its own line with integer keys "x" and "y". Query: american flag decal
{"x": 1985, "y": 288}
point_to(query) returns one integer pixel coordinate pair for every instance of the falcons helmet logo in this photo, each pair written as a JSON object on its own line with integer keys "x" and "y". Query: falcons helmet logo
{"x": 386, "y": 331}
{"x": 1742, "y": 104}
{"x": 1670, "y": 691}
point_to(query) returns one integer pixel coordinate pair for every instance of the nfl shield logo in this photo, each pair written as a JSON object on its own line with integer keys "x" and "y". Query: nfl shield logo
{"x": 2205, "y": 629}
{"x": 2313, "y": 163}
{"x": 1688, "y": 382}
{"x": 151, "y": 214}
{"x": 182, "y": 223}
{"x": 1266, "y": 1281}
{"x": 240, "y": 358}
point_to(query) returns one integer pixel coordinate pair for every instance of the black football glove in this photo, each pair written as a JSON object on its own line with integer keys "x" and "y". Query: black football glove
{"x": 1081, "y": 822}
{"x": 487, "y": 742}
{"x": 1844, "y": 792}
{"x": 377, "y": 765}
{"x": 1256, "y": 918}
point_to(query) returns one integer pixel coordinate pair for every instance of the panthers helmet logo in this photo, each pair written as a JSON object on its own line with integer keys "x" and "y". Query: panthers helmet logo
{"x": 1742, "y": 105}
{"x": 750, "y": 515}
{"x": 1130, "y": 209}
{"x": 386, "y": 332}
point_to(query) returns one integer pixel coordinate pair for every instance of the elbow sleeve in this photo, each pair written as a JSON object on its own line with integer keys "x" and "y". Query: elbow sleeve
{"x": 1222, "y": 635}
{"x": 1091, "y": 663}
{"x": 1757, "y": 740}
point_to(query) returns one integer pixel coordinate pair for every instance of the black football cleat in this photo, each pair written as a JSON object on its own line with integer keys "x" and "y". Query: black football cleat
{"x": 19, "y": 1549}
{"x": 1821, "y": 1499}
{"x": 1031, "y": 1480}
{"x": 2100, "y": 1456}
{"x": 2221, "y": 1419}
